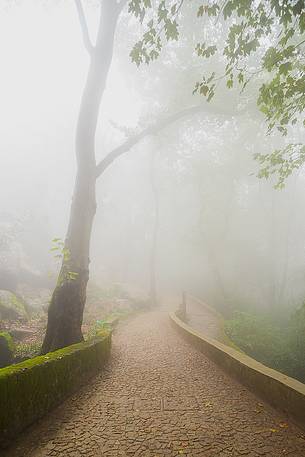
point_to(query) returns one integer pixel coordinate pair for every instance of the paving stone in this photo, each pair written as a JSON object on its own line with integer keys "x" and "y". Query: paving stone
{"x": 159, "y": 397}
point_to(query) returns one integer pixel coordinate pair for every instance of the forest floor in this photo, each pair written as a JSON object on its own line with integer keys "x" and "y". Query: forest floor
{"x": 28, "y": 330}
{"x": 158, "y": 396}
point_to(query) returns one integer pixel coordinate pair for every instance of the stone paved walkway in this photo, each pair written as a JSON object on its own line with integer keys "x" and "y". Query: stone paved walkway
{"x": 160, "y": 397}
{"x": 201, "y": 318}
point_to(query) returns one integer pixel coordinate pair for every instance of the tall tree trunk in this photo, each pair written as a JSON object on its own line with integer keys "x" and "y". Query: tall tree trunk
{"x": 153, "y": 253}
{"x": 65, "y": 313}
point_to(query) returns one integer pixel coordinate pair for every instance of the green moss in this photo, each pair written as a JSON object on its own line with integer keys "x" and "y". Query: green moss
{"x": 6, "y": 349}
{"x": 28, "y": 390}
{"x": 103, "y": 326}
{"x": 9, "y": 340}
{"x": 51, "y": 356}
{"x": 12, "y": 306}
{"x": 17, "y": 303}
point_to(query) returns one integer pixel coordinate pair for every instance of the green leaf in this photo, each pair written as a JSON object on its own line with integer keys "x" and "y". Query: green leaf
{"x": 229, "y": 83}
{"x": 171, "y": 29}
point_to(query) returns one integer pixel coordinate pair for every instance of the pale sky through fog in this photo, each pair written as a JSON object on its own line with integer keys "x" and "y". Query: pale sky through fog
{"x": 43, "y": 70}
{"x": 212, "y": 206}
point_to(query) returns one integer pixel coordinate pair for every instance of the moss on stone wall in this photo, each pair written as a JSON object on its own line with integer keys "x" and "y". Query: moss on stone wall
{"x": 30, "y": 389}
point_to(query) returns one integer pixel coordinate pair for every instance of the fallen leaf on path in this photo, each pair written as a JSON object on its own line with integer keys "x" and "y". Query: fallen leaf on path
{"x": 283, "y": 425}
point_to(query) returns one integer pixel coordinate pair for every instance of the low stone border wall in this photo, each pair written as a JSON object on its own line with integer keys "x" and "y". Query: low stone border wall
{"x": 223, "y": 337}
{"x": 280, "y": 391}
{"x": 28, "y": 390}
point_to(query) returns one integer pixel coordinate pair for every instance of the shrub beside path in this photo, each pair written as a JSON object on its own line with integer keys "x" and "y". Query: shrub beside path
{"x": 160, "y": 397}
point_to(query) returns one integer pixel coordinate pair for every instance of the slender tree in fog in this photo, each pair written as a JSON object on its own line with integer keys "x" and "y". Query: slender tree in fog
{"x": 68, "y": 300}
{"x": 66, "y": 308}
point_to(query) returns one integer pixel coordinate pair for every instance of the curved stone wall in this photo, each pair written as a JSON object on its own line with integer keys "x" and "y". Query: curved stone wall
{"x": 282, "y": 392}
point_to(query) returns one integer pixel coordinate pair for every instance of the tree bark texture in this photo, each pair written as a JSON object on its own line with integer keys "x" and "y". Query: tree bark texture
{"x": 65, "y": 312}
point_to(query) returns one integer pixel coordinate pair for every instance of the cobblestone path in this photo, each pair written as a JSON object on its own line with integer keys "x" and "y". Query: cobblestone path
{"x": 202, "y": 319}
{"x": 160, "y": 397}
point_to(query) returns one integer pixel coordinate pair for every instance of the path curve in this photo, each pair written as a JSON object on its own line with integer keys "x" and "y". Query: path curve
{"x": 160, "y": 397}
{"x": 203, "y": 318}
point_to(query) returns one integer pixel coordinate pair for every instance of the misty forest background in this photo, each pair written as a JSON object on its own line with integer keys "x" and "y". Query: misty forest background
{"x": 233, "y": 239}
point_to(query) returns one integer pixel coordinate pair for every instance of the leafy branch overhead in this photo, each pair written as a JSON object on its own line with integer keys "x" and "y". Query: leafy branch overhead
{"x": 281, "y": 162}
{"x": 270, "y": 30}
{"x": 164, "y": 24}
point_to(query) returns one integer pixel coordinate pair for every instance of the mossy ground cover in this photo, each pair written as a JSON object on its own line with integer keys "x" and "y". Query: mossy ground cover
{"x": 28, "y": 390}
{"x": 276, "y": 342}
{"x": 9, "y": 340}
{"x": 12, "y": 306}
{"x": 7, "y": 348}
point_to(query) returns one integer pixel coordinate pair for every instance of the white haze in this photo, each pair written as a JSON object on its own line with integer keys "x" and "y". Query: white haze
{"x": 224, "y": 234}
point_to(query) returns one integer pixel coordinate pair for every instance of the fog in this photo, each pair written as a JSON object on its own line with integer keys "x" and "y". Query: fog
{"x": 152, "y": 227}
{"x": 223, "y": 234}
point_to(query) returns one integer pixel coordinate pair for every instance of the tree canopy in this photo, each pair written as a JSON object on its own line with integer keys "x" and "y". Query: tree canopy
{"x": 261, "y": 39}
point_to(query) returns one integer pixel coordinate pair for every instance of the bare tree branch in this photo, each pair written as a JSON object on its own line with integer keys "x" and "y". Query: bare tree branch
{"x": 158, "y": 126}
{"x": 151, "y": 130}
{"x": 84, "y": 26}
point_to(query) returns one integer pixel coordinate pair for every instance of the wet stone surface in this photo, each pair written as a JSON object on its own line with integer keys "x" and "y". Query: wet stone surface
{"x": 160, "y": 397}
